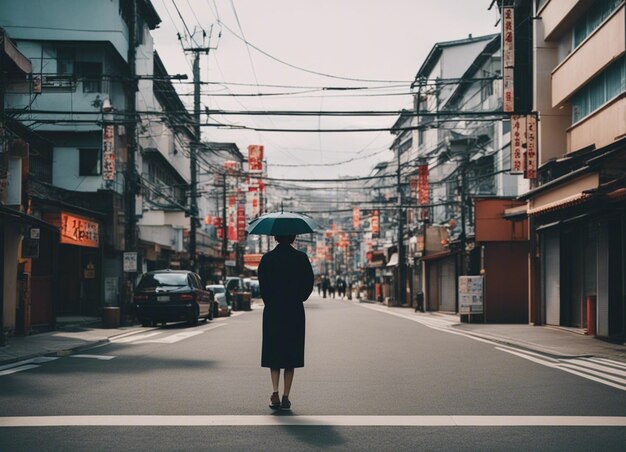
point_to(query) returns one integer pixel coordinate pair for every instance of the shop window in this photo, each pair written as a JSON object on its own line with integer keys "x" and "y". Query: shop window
{"x": 89, "y": 162}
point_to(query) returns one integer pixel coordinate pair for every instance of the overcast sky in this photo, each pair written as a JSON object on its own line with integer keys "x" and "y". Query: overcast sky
{"x": 360, "y": 39}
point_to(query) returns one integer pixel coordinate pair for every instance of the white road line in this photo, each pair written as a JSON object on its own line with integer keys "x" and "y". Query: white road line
{"x": 17, "y": 369}
{"x": 133, "y": 338}
{"x": 608, "y": 362}
{"x": 347, "y": 421}
{"x": 581, "y": 372}
{"x": 37, "y": 360}
{"x": 591, "y": 365}
{"x": 100, "y": 357}
{"x": 172, "y": 338}
{"x": 618, "y": 380}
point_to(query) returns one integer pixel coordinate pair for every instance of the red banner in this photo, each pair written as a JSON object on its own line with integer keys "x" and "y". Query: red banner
{"x": 531, "y": 147}
{"x": 423, "y": 190}
{"x": 374, "y": 223}
{"x": 356, "y": 218}
{"x": 241, "y": 223}
{"x": 255, "y": 158}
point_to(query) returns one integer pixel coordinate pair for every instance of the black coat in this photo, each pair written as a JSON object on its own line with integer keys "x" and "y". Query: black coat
{"x": 286, "y": 281}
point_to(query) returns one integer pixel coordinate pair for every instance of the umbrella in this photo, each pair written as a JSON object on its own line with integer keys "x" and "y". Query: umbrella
{"x": 282, "y": 223}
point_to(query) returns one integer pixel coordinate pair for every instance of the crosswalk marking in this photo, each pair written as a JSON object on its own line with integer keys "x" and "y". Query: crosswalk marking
{"x": 335, "y": 421}
{"x": 571, "y": 366}
{"x": 600, "y": 370}
{"x": 171, "y": 339}
{"x": 134, "y": 337}
{"x": 100, "y": 357}
{"x": 18, "y": 369}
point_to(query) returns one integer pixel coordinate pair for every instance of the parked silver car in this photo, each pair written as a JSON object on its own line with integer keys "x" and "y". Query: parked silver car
{"x": 219, "y": 292}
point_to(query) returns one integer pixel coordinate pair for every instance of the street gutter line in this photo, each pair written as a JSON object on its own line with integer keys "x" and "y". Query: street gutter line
{"x": 311, "y": 421}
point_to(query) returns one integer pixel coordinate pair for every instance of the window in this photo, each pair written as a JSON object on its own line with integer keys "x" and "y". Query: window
{"x": 595, "y": 16}
{"x": 88, "y": 162}
{"x": 91, "y": 74}
{"x": 600, "y": 90}
{"x": 65, "y": 61}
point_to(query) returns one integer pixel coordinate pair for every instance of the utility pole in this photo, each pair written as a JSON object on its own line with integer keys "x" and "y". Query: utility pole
{"x": 131, "y": 182}
{"x": 463, "y": 237}
{"x": 193, "y": 162}
{"x": 401, "y": 257}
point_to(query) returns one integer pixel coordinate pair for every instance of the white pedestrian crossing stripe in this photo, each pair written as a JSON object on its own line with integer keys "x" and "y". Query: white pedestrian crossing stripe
{"x": 321, "y": 420}
{"x": 163, "y": 337}
{"x": 600, "y": 370}
{"x": 19, "y": 366}
{"x": 582, "y": 367}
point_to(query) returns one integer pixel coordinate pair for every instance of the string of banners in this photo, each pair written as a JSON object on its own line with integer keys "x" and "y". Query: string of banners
{"x": 524, "y": 145}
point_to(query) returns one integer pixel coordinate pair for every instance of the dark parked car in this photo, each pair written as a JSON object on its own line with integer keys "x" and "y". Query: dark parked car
{"x": 237, "y": 294}
{"x": 219, "y": 291}
{"x": 172, "y": 295}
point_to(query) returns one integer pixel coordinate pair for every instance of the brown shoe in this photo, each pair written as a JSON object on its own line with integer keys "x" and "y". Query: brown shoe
{"x": 285, "y": 404}
{"x": 275, "y": 401}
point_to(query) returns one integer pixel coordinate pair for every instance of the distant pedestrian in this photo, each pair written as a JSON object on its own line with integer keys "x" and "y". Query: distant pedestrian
{"x": 331, "y": 289}
{"x": 286, "y": 281}
{"x": 341, "y": 287}
{"x": 325, "y": 284}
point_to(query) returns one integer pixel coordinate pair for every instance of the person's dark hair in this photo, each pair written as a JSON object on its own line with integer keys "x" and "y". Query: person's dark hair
{"x": 285, "y": 238}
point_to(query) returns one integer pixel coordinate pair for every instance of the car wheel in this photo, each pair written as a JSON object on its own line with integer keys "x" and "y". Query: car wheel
{"x": 193, "y": 316}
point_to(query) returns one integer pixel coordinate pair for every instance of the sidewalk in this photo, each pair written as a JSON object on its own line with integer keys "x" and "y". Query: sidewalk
{"x": 70, "y": 338}
{"x": 554, "y": 341}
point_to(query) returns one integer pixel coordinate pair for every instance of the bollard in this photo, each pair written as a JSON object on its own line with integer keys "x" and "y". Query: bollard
{"x": 111, "y": 317}
{"x": 591, "y": 315}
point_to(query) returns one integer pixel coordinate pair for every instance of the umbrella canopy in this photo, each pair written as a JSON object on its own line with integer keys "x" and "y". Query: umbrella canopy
{"x": 282, "y": 223}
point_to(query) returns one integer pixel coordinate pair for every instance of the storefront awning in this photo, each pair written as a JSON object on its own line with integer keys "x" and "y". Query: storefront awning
{"x": 251, "y": 267}
{"x": 393, "y": 260}
{"x": 568, "y": 201}
{"x": 16, "y": 215}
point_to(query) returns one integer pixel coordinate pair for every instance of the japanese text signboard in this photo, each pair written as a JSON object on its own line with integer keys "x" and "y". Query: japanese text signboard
{"x": 375, "y": 224}
{"x": 531, "y": 147}
{"x": 79, "y": 231}
{"x": 471, "y": 295}
{"x": 423, "y": 191}
{"x": 108, "y": 152}
{"x": 356, "y": 218}
{"x": 508, "y": 58}
{"x": 255, "y": 158}
{"x": 518, "y": 143}
{"x": 241, "y": 223}
{"x": 414, "y": 184}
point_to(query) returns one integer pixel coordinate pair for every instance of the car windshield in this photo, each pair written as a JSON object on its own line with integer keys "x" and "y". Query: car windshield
{"x": 153, "y": 280}
{"x": 217, "y": 289}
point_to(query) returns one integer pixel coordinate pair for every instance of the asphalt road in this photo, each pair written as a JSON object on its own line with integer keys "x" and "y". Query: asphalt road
{"x": 372, "y": 381}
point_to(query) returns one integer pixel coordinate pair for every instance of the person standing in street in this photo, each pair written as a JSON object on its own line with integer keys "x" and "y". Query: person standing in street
{"x": 286, "y": 281}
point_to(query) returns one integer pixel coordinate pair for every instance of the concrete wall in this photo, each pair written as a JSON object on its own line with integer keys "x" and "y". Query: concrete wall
{"x": 74, "y": 20}
{"x": 11, "y": 242}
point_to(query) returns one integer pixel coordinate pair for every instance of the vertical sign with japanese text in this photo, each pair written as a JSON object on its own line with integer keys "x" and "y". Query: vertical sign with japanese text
{"x": 508, "y": 58}
{"x": 241, "y": 223}
{"x": 531, "y": 147}
{"x": 255, "y": 158}
{"x": 423, "y": 191}
{"x": 108, "y": 152}
{"x": 518, "y": 142}
{"x": 375, "y": 224}
{"x": 356, "y": 218}
{"x": 414, "y": 184}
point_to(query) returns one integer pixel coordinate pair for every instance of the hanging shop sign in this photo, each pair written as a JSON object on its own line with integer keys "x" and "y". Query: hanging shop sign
{"x": 255, "y": 158}
{"x": 76, "y": 230}
{"x": 508, "y": 59}
{"x": 423, "y": 191}
{"x": 531, "y": 147}
{"x": 356, "y": 218}
{"x": 414, "y": 184}
{"x": 374, "y": 224}
{"x": 231, "y": 166}
{"x": 241, "y": 223}
{"x": 518, "y": 142}
{"x": 108, "y": 152}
